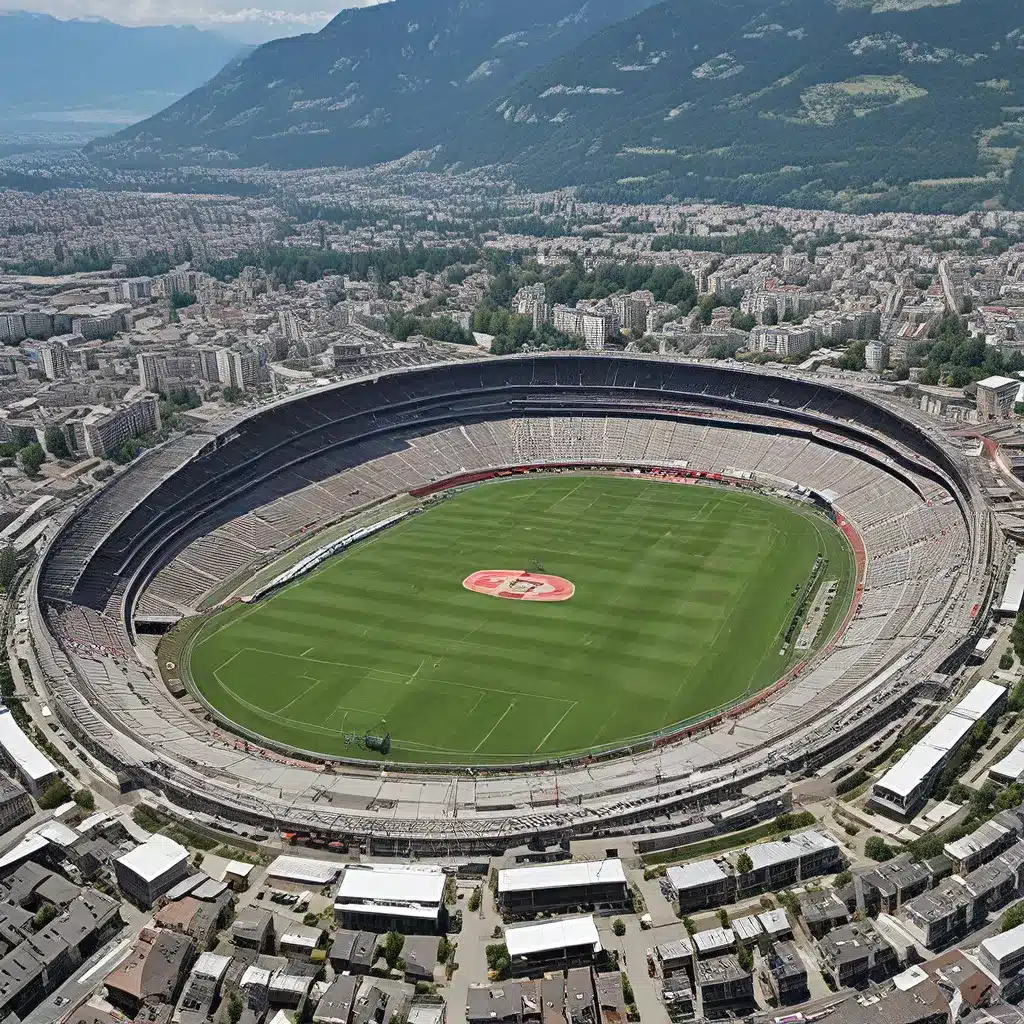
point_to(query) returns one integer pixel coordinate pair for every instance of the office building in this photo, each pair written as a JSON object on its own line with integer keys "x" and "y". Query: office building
{"x": 559, "y": 887}
{"x": 151, "y": 869}
{"x": 996, "y": 397}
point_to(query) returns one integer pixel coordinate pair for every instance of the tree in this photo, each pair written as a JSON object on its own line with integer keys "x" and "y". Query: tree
{"x": 690, "y": 925}
{"x": 57, "y": 793}
{"x": 619, "y": 926}
{"x": 744, "y": 863}
{"x": 85, "y": 800}
{"x": 1006, "y": 661}
{"x": 391, "y": 948}
{"x": 32, "y": 457}
{"x": 878, "y": 849}
{"x": 723, "y": 917}
{"x": 1012, "y": 918}
{"x": 771, "y": 316}
{"x": 746, "y": 958}
{"x": 55, "y": 442}
{"x": 44, "y": 915}
{"x": 843, "y": 878}
{"x": 498, "y": 959}
{"x": 233, "y": 394}
{"x": 235, "y": 1007}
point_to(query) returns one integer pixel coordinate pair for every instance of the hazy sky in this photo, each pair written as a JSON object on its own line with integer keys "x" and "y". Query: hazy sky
{"x": 241, "y": 19}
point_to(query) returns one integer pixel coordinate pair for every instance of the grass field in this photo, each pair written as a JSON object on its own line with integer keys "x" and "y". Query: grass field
{"x": 683, "y": 595}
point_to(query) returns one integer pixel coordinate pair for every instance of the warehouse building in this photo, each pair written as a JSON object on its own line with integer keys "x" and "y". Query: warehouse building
{"x": 304, "y": 870}
{"x": 406, "y": 898}
{"x": 553, "y": 945}
{"x": 907, "y": 784}
{"x": 559, "y": 887}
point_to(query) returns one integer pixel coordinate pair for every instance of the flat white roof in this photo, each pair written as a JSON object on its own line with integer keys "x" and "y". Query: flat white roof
{"x": 775, "y": 921}
{"x": 149, "y": 860}
{"x": 1013, "y": 592}
{"x": 58, "y": 833}
{"x": 688, "y": 876}
{"x": 392, "y": 883}
{"x": 211, "y": 965}
{"x": 238, "y": 868}
{"x": 948, "y": 731}
{"x": 980, "y": 700}
{"x": 29, "y": 845}
{"x": 305, "y": 869}
{"x": 255, "y": 976}
{"x": 1005, "y": 943}
{"x": 551, "y": 935}
{"x": 22, "y": 751}
{"x": 561, "y": 876}
{"x": 995, "y": 381}
{"x": 911, "y": 769}
{"x": 779, "y": 851}
{"x": 94, "y": 820}
{"x": 1012, "y": 766}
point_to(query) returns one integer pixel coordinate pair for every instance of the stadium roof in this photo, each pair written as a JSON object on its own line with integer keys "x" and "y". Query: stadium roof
{"x": 21, "y": 750}
{"x": 152, "y": 858}
{"x": 304, "y": 869}
{"x": 700, "y": 872}
{"x": 562, "y": 934}
{"x": 1013, "y": 592}
{"x": 392, "y": 883}
{"x": 561, "y": 876}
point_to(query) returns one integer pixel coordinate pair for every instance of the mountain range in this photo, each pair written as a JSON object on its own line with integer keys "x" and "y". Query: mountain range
{"x": 95, "y": 75}
{"x": 869, "y": 104}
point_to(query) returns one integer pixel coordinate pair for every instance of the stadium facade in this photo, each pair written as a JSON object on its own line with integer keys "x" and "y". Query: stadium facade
{"x": 152, "y": 545}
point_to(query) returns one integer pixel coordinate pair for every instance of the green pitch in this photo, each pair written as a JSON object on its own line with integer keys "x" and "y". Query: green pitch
{"x": 683, "y": 597}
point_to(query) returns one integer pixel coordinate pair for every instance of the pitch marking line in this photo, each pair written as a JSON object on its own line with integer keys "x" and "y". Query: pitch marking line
{"x": 296, "y": 699}
{"x": 555, "y": 726}
{"x": 398, "y": 677}
{"x": 512, "y": 704}
{"x": 308, "y": 650}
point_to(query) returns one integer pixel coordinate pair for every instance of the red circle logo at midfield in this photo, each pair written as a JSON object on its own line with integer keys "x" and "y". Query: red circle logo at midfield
{"x": 519, "y": 585}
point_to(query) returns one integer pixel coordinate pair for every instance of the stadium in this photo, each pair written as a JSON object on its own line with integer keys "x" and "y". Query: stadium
{"x": 845, "y": 556}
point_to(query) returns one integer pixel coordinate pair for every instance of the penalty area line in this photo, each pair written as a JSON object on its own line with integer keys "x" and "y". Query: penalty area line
{"x": 550, "y": 731}
{"x": 495, "y": 726}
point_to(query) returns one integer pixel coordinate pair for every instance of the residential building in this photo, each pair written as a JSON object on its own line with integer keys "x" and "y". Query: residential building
{"x": 105, "y": 430}
{"x": 853, "y": 954}
{"x": 876, "y": 356}
{"x": 24, "y": 758}
{"x": 700, "y": 884}
{"x": 1003, "y": 954}
{"x": 552, "y": 945}
{"x": 253, "y": 928}
{"x": 724, "y": 985}
{"x": 153, "y": 972}
{"x": 408, "y": 898}
{"x": 786, "y": 862}
{"x": 151, "y": 869}
{"x": 785, "y": 340}
{"x": 559, "y": 887}
{"x": 937, "y": 917}
{"x": 787, "y": 974}
{"x": 996, "y": 397}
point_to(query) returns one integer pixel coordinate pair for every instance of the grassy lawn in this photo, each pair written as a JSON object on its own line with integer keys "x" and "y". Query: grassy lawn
{"x": 683, "y": 595}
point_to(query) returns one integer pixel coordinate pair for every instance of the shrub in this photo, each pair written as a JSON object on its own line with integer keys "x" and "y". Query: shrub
{"x": 689, "y": 925}
{"x": 843, "y": 878}
{"x": 1012, "y": 918}
{"x": 475, "y": 899}
{"x": 85, "y": 800}
{"x": 57, "y": 793}
{"x": 723, "y": 916}
{"x": 498, "y": 959}
{"x": 744, "y": 863}
{"x": 619, "y": 928}
{"x": 1006, "y": 661}
{"x": 850, "y": 829}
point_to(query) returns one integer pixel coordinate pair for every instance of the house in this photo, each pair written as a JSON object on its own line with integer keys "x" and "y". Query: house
{"x": 677, "y": 996}
{"x": 822, "y": 911}
{"x": 298, "y": 941}
{"x": 700, "y": 885}
{"x": 724, "y": 985}
{"x": 853, "y": 954}
{"x": 335, "y": 1006}
{"x": 152, "y": 973}
{"x": 352, "y": 951}
{"x": 937, "y": 917}
{"x": 254, "y": 929}
{"x": 675, "y": 956}
{"x": 419, "y": 954}
{"x": 886, "y": 887}
{"x": 787, "y": 974}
